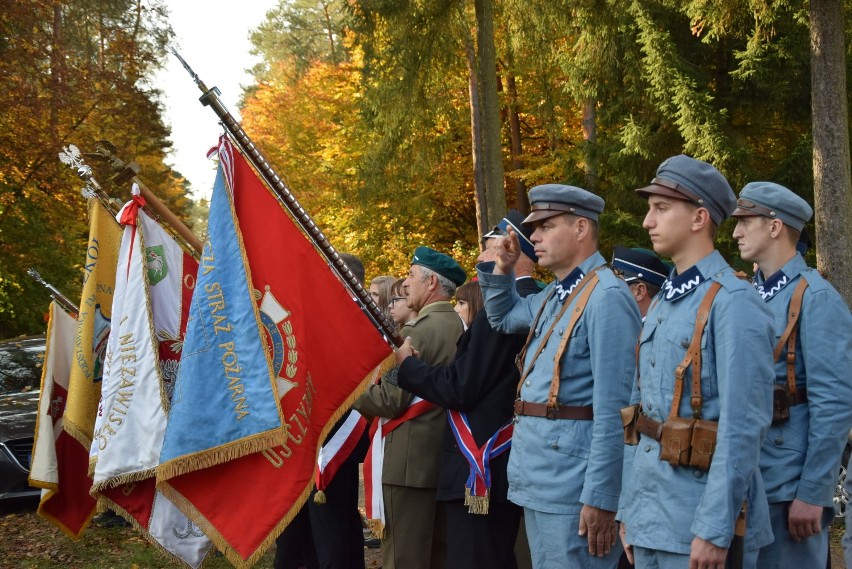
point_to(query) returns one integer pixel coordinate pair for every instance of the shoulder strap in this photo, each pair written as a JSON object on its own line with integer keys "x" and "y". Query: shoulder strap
{"x": 582, "y": 300}
{"x": 693, "y": 356}
{"x": 788, "y": 337}
{"x": 521, "y": 356}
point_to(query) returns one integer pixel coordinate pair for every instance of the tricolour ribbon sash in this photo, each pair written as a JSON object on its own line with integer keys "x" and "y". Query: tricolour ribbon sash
{"x": 374, "y": 461}
{"x": 478, "y": 485}
{"x": 336, "y": 450}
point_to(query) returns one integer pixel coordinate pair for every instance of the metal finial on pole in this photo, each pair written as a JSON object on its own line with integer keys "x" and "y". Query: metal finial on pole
{"x": 60, "y": 298}
{"x": 210, "y": 98}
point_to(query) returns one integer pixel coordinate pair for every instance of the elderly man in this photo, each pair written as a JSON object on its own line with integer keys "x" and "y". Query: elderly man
{"x": 414, "y": 534}
{"x": 813, "y": 385}
{"x": 577, "y": 367}
{"x": 643, "y": 272}
{"x": 704, "y": 385}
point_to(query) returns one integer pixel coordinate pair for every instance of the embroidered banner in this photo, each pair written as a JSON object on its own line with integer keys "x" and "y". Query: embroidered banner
{"x": 58, "y": 355}
{"x": 154, "y": 281}
{"x": 70, "y": 506}
{"x": 320, "y": 349}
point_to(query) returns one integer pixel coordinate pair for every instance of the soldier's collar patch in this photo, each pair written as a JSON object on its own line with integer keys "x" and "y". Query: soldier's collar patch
{"x": 770, "y": 287}
{"x": 678, "y": 286}
{"x": 567, "y": 285}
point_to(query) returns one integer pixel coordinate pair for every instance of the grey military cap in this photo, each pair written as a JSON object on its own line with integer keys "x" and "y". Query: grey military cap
{"x": 686, "y": 178}
{"x": 550, "y": 200}
{"x": 774, "y": 201}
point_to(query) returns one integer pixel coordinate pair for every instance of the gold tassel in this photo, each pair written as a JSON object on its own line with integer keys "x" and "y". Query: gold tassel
{"x": 476, "y": 504}
{"x": 319, "y": 497}
{"x": 377, "y": 528}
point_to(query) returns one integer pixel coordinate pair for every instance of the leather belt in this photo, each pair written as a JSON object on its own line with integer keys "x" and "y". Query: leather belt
{"x": 649, "y": 427}
{"x": 577, "y": 413}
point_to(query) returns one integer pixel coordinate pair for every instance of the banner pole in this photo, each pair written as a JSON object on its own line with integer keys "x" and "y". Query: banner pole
{"x": 63, "y": 301}
{"x": 72, "y": 157}
{"x": 210, "y": 98}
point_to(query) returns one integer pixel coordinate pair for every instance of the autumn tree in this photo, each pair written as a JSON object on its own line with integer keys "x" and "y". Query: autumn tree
{"x": 70, "y": 73}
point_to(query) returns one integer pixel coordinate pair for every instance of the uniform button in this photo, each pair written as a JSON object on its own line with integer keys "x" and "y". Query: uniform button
{"x": 653, "y": 361}
{"x": 697, "y": 473}
{"x": 684, "y": 343}
{"x": 561, "y": 331}
{"x": 779, "y": 441}
{"x": 538, "y": 330}
{"x": 659, "y": 319}
{"x": 650, "y": 407}
{"x": 528, "y": 383}
{"x": 647, "y": 448}
{"x": 554, "y": 446}
{"x": 516, "y": 419}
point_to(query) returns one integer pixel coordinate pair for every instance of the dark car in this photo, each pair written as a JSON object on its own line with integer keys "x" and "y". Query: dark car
{"x": 21, "y": 362}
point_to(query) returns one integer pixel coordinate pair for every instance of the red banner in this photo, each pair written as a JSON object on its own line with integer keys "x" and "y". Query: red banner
{"x": 323, "y": 349}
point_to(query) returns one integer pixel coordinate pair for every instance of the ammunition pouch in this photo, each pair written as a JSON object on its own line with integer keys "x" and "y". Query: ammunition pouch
{"x": 676, "y": 440}
{"x": 629, "y": 417}
{"x": 688, "y": 442}
{"x": 703, "y": 444}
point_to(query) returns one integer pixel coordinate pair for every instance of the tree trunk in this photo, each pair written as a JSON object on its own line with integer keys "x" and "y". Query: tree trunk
{"x": 56, "y": 79}
{"x": 330, "y": 33}
{"x": 515, "y": 137}
{"x": 590, "y": 139}
{"x": 476, "y": 141}
{"x": 494, "y": 186}
{"x": 832, "y": 180}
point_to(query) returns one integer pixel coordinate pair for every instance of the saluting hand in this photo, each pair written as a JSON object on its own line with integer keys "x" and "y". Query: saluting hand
{"x": 599, "y": 526}
{"x": 508, "y": 250}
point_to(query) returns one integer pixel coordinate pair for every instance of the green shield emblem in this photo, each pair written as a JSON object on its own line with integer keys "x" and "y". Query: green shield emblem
{"x": 155, "y": 260}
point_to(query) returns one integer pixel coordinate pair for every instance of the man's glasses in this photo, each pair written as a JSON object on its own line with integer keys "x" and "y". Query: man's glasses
{"x": 396, "y": 299}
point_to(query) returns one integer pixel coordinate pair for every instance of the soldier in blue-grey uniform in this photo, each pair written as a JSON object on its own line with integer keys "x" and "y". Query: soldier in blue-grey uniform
{"x": 577, "y": 368}
{"x": 813, "y": 383}
{"x": 679, "y": 507}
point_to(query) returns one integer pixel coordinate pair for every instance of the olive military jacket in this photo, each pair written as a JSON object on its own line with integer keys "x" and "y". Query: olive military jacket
{"x": 413, "y": 449}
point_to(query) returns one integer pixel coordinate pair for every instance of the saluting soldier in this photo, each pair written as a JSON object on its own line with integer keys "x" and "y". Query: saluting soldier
{"x": 414, "y": 534}
{"x": 813, "y": 384}
{"x": 704, "y": 385}
{"x": 576, "y": 370}
{"x": 477, "y": 390}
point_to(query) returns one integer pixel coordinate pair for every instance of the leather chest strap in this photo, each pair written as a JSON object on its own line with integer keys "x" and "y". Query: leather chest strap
{"x": 788, "y": 337}
{"x": 522, "y": 355}
{"x": 693, "y": 356}
{"x": 579, "y": 308}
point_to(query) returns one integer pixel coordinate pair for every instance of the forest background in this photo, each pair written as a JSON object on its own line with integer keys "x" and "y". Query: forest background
{"x": 401, "y": 123}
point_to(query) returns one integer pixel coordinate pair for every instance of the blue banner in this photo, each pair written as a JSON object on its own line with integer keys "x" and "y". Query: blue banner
{"x": 225, "y": 403}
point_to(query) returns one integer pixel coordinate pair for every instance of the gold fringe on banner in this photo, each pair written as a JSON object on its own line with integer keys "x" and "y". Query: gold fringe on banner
{"x": 221, "y": 454}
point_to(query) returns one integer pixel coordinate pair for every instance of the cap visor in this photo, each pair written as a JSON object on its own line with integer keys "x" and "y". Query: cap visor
{"x": 743, "y": 212}
{"x": 541, "y": 214}
{"x": 662, "y": 191}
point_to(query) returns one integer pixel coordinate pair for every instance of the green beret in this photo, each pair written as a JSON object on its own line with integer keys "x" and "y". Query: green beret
{"x": 442, "y": 264}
